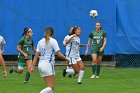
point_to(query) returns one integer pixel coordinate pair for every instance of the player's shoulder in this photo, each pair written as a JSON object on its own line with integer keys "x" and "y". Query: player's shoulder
{"x": 42, "y": 40}
{"x": 66, "y": 36}
{"x": 103, "y": 31}
{"x": 53, "y": 40}
{"x": 1, "y": 36}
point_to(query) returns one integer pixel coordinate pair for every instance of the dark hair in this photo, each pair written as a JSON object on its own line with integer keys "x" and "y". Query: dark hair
{"x": 100, "y": 25}
{"x": 25, "y": 31}
{"x": 49, "y": 29}
{"x": 73, "y": 30}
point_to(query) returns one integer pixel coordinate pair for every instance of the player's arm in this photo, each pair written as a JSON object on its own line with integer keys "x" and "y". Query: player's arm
{"x": 19, "y": 49}
{"x": 3, "y": 45}
{"x": 70, "y": 38}
{"x": 82, "y": 45}
{"x": 34, "y": 49}
{"x": 88, "y": 45}
{"x": 58, "y": 52}
{"x": 60, "y": 55}
{"x": 35, "y": 58}
{"x": 102, "y": 48}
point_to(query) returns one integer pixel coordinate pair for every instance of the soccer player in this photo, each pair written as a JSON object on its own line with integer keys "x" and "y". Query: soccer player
{"x": 68, "y": 69}
{"x": 72, "y": 53}
{"x": 2, "y": 43}
{"x": 24, "y": 47}
{"x": 46, "y": 49}
{"x": 98, "y": 38}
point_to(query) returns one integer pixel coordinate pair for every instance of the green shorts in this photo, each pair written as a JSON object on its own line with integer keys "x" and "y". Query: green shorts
{"x": 22, "y": 61}
{"x": 98, "y": 52}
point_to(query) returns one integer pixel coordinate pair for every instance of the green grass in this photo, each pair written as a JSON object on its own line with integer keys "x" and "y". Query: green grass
{"x": 111, "y": 81}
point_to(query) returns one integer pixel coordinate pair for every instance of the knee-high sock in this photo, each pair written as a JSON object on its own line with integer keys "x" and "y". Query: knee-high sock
{"x": 27, "y": 77}
{"x": 81, "y": 74}
{"x": 98, "y": 70}
{"x": 46, "y": 90}
{"x": 94, "y": 68}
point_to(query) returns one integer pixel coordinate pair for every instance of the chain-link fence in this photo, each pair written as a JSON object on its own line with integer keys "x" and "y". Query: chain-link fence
{"x": 116, "y": 61}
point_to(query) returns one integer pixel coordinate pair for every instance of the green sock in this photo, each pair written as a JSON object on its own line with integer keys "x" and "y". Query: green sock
{"x": 93, "y": 68}
{"x": 98, "y": 70}
{"x": 15, "y": 69}
{"x": 27, "y": 76}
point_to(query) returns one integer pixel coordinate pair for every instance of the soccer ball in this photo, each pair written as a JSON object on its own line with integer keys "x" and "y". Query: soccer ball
{"x": 93, "y": 13}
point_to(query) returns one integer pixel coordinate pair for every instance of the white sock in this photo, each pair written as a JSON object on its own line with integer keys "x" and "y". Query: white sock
{"x": 46, "y": 90}
{"x": 81, "y": 74}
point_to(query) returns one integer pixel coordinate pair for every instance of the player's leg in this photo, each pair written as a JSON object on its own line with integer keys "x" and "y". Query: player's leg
{"x": 81, "y": 72}
{"x": 94, "y": 63}
{"x": 3, "y": 66}
{"x": 47, "y": 71}
{"x": 28, "y": 73}
{"x": 18, "y": 69}
{"x": 99, "y": 59}
{"x": 50, "y": 81}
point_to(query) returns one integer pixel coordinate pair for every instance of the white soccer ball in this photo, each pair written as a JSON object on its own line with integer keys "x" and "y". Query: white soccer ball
{"x": 93, "y": 13}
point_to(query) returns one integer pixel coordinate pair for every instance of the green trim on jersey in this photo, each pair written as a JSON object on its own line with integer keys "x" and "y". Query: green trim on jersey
{"x": 97, "y": 40}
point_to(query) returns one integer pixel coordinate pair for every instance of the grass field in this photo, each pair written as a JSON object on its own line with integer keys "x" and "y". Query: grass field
{"x": 111, "y": 81}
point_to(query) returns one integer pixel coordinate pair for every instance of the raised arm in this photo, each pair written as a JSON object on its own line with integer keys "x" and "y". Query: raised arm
{"x": 69, "y": 39}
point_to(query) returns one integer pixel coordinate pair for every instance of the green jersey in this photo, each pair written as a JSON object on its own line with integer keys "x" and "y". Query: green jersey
{"x": 26, "y": 45}
{"x": 97, "y": 39}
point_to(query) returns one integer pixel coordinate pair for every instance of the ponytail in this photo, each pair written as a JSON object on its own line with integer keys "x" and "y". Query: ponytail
{"x": 25, "y": 31}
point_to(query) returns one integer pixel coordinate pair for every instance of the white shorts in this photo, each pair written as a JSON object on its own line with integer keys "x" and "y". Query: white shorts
{"x": 73, "y": 60}
{"x": 46, "y": 68}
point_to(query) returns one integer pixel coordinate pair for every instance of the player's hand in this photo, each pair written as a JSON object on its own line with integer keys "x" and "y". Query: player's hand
{"x": 74, "y": 35}
{"x": 4, "y": 73}
{"x": 101, "y": 49}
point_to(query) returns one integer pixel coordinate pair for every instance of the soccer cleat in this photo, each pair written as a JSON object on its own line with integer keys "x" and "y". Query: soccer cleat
{"x": 97, "y": 77}
{"x": 70, "y": 76}
{"x": 79, "y": 82}
{"x": 25, "y": 82}
{"x": 93, "y": 76}
{"x": 11, "y": 70}
{"x": 64, "y": 72}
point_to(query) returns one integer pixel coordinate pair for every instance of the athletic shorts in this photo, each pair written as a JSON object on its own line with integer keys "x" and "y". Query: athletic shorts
{"x": 46, "y": 68}
{"x": 73, "y": 60}
{"x": 22, "y": 61}
{"x": 98, "y": 52}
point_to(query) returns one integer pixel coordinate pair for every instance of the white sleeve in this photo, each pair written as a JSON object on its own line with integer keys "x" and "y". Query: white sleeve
{"x": 55, "y": 46}
{"x": 64, "y": 41}
{"x": 38, "y": 46}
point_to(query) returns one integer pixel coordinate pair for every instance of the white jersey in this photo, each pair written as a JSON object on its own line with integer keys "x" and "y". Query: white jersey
{"x": 64, "y": 41}
{"x": 47, "y": 51}
{"x": 1, "y": 39}
{"x": 72, "y": 48}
